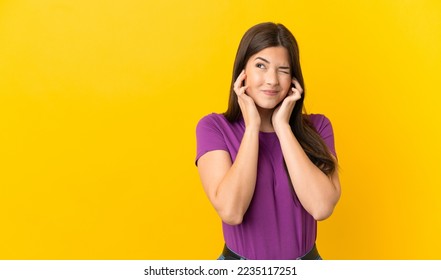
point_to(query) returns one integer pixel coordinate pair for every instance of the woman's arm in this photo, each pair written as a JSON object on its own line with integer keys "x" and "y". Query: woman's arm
{"x": 230, "y": 186}
{"x": 318, "y": 192}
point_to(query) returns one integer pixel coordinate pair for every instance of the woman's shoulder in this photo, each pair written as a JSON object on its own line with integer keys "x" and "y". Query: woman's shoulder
{"x": 324, "y": 128}
{"x": 219, "y": 124}
{"x": 213, "y": 119}
{"x": 319, "y": 121}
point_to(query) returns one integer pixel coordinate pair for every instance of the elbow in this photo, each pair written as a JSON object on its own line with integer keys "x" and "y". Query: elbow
{"x": 323, "y": 212}
{"x": 325, "y": 209}
{"x": 230, "y": 213}
{"x": 232, "y": 221}
{"x": 232, "y": 218}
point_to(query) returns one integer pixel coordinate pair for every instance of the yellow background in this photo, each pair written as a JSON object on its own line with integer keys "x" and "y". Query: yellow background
{"x": 99, "y": 101}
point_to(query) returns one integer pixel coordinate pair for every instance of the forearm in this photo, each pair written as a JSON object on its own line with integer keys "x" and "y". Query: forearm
{"x": 315, "y": 190}
{"x": 235, "y": 191}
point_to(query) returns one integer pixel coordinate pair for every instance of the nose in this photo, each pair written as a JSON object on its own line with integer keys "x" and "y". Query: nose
{"x": 272, "y": 78}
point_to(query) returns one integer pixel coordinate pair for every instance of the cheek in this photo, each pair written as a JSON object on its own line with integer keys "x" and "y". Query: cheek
{"x": 283, "y": 96}
{"x": 287, "y": 84}
{"x": 252, "y": 79}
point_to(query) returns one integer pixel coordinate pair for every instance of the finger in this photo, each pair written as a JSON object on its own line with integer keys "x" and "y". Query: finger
{"x": 239, "y": 81}
{"x": 242, "y": 90}
{"x": 297, "y": 85}
{"x": 291, "y": 93}
{"x": 296, "y": 94}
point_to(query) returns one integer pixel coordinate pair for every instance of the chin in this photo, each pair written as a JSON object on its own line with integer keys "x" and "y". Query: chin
{"x": 267, "y": 106}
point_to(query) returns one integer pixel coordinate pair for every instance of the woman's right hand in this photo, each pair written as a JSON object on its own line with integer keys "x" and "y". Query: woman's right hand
{"x": 229, "y": 184}
{"x": 246, "y": 103}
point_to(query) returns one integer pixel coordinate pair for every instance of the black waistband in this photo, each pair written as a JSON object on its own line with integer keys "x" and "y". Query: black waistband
{"x": 230, "y": 255}
{"x": 313, "y": 254}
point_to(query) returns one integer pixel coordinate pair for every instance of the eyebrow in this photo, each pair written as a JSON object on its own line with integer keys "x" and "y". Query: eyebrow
{"x": 261, "y": 58}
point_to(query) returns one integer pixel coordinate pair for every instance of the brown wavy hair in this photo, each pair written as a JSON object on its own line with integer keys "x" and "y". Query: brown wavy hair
{"x": 265, "y": 35}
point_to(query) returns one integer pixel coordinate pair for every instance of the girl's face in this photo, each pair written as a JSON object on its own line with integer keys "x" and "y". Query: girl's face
{"x": 268, "y": 77}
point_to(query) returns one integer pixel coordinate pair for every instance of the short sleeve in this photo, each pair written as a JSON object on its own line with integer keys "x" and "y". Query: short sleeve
{"x": 324, "y": 128}
{"x": 209, "y": 136}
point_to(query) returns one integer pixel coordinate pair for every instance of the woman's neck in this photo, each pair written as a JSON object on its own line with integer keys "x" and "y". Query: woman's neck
{"x": 266, "y": 125}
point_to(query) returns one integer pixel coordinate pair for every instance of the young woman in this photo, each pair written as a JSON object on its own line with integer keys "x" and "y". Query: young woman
{"x": 268, "y": 169}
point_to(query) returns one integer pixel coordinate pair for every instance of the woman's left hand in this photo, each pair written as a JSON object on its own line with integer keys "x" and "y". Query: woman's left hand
{"x": 283, "y": 111}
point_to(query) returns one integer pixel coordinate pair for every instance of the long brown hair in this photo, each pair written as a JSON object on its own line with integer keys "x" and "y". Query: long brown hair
{"x": 265, "y": 35}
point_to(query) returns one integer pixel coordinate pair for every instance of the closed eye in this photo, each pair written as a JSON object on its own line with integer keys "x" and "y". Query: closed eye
{"x": 284, "y": 69}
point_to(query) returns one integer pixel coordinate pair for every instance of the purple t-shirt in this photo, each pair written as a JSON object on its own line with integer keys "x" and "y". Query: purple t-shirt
{"x": 275, "y": 225}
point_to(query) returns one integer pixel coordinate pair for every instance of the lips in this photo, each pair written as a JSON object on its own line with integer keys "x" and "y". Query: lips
{"x": 270, "y": 92}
